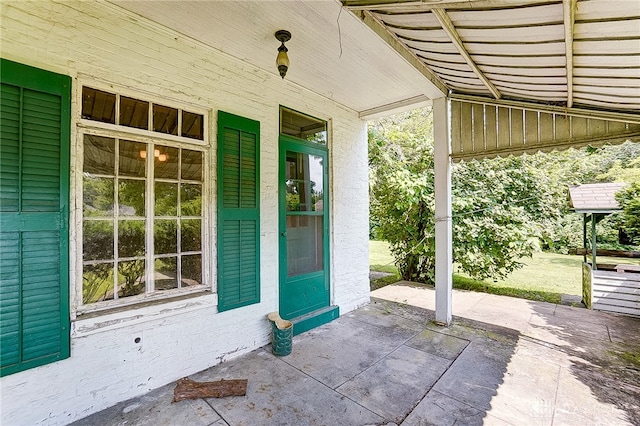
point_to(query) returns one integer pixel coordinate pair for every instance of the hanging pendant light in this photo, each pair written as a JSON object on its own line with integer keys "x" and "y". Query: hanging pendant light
{"x": 282, "y": 61}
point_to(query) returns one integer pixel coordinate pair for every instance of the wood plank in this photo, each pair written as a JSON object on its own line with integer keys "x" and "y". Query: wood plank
{"x": 517, "y": 128}
{"x": 542, "y": 33}
{"x": 606, "y": 47}
{"x": 491, "y": 137}
{"x": 189, "y": 389}
{"x": 597, "y": 127}
{"x": 631, "y": 287}
{"x": 512, "y": 49}
{"x": 531, "y": 127}
{"x": 478, "y": 127}
{"x": 618, "y": 309}
{"x": 600, "y": 295}
{"x": 546, "y": 127}
{"x": 579, "y": 128}
{"x": 603, "y": 82}
{"x": 456, "y": 123}
{"x": 607, "y": 61}
{"x": 609, "y": 253}
{"x": 466, "y": 129}
{"x": 616, "y": 302}
{"x": 604, "y": 29}
{"x": 630, "y": 268}
{"x": 504, "y": 124}
{"x": 520, "y": 61}
{"x": 525, "y": 16}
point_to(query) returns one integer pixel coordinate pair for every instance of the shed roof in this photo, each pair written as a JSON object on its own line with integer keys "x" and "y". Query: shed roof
{"x": 595, "y": 197}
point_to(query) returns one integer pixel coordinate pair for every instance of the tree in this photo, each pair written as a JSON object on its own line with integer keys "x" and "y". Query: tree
{"x": 629, "y": 218}
{"x": 502, "y": 209}
{"x": 495, "y": 203}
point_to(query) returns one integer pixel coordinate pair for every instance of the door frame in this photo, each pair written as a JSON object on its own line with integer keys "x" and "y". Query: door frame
{"x": 289, "y": 143}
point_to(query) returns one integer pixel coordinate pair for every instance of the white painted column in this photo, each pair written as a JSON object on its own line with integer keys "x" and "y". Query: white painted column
{"x": 444, "y": 245}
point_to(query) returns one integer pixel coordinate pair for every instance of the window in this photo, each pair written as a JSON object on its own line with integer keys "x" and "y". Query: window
{"x": 142, "y": 215}
{"x": 302, "y": 126}
{"x": 98, "y": 105}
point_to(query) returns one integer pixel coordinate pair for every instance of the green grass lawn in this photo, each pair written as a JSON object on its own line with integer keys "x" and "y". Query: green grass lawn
{"x": 545, "y": 276}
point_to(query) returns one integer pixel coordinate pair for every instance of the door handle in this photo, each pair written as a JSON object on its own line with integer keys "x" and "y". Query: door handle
{"x": 284, "y": 234}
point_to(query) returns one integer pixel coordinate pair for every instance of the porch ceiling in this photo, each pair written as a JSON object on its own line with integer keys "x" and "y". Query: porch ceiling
{"x": 567, "y": 53}
{"x": 331, "y": 52}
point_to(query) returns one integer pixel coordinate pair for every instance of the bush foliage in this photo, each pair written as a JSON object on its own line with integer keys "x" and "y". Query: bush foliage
{"x": 503, "y": 209}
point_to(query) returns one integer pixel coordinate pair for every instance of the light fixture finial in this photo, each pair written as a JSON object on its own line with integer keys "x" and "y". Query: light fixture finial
{"x": 282, "y": 60}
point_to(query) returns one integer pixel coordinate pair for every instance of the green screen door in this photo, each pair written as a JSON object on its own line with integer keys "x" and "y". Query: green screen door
{"x": 304, "y": 281}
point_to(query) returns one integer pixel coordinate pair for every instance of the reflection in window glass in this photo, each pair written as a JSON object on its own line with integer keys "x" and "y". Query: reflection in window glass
{"x": 191, "y": 235}
{"x": 99, "y": 155}
{"x": 97, "y": 196}
{"x": 191, "y": 165}
{"x": 165, "y": 236}
{"x": 166, "y": 199}
{"x": 97, "y": 240}
{"x": 192, "y": 125}
{"x": 190, "y": 199}
{"x": 305, "y": 182}
{"x": 98, "y": 105}
{"x": 97, "y": 280}
{"x": 131, "y": 238}
{"x": 131, "y": 197}
{"x": 191, "y": 270}
{"x": 131, "y": 278}
{"x": 165, "y": 119}
{"x": 166, "y": 162}
{"x": 134, "y": 113}
{"x": 116, "y": 185}
{"x": 166, "y": 273}
{"x": 303, "y": 126}
{"x": 132, "y": 159}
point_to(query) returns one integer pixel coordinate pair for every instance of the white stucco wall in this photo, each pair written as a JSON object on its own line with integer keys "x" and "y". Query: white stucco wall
{"x": 101, "y": 42}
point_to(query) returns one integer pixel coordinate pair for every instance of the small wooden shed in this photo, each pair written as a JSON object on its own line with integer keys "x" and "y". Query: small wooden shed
{"x": 606, "y": 287}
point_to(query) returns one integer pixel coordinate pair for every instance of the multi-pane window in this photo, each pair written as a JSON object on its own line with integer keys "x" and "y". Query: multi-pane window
{"x": 113, "y": 108}
{"x": 142, "y": 218}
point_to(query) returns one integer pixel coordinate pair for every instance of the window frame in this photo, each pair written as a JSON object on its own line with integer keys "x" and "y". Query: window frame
{"x": 89, "y": 127}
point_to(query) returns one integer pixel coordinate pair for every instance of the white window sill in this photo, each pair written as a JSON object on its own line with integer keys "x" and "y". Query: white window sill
{"x": 94, "y": 321}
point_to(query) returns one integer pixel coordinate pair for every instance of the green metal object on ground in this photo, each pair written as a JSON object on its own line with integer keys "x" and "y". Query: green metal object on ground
{"x": 281, "y": 335}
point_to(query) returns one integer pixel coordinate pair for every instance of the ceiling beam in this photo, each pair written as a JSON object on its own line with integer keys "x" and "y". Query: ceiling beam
{"x": 426, "y": 5}
{"x": 451, "y": 31}
{"x": 569, "y": 12}
{"x": 393, "y": 41}
{"x": 396, "y": 107}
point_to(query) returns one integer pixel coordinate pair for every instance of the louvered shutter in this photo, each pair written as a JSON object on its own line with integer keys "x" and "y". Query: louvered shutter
{"x": 34, "y": 200}
{"x": 238, "y": 211}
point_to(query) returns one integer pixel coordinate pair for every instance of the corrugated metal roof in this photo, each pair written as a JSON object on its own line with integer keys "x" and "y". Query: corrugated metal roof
{"x": 595, "y": 197}
{"x": 569, "y": 53}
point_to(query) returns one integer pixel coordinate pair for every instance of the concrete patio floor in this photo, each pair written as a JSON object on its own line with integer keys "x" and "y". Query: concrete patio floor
{"x": 503, "y": 361}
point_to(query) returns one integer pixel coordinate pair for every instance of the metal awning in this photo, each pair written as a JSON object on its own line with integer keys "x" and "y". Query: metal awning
{"x": 519, "y": 69}
{"x": 583, "y": 53}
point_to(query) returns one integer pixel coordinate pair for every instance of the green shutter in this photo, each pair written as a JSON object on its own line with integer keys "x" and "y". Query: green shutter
{"x": 34, "y": 205}
{"x": 238, "y": 212}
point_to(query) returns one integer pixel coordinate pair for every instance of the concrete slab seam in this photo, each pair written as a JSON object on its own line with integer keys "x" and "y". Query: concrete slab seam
{"x": 555, "y": 399}
{"x": 438, "y": 380}
{"x": 282, "y": 359}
